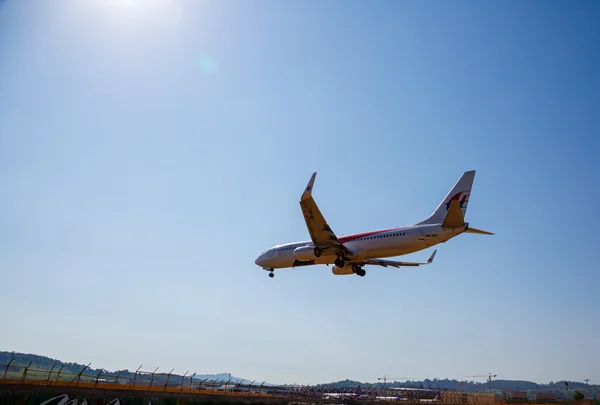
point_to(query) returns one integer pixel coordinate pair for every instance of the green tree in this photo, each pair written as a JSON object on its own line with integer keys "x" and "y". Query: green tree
{"x": 578, "y": 395}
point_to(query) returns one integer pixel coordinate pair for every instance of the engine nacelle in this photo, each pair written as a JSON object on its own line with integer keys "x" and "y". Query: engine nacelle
{"x": 342, "y": 271}
{"x": 306, "y": 253}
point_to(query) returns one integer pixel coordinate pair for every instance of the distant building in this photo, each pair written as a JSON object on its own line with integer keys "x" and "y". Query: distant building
{"x": 518, "y": 395}
{"x": 545, "y": 396}
{"x": 227, "y": 387}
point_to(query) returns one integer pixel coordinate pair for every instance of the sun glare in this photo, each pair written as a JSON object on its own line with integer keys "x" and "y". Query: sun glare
{"x": 166, "y": 12}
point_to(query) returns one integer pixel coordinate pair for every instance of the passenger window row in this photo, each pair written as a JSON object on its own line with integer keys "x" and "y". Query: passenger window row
{"x": 383, "y": 236}
{"x": 365, "y": 238}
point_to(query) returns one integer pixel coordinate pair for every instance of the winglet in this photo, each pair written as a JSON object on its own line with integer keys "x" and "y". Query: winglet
{"x": 431, "y": 257}
{"x": 308, "y": 190}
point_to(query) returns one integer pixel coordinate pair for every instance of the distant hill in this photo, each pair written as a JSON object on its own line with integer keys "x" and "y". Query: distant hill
{"x": 45, "y": 363}
{"x": 498, "y": 386}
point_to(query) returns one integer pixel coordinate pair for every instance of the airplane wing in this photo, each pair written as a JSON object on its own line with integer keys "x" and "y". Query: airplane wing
{"x": 392, "y": 263}
{"x": 320, "y": 233}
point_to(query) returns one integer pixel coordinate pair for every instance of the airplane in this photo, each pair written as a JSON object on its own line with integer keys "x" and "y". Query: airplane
{"x": 349, "y": 254}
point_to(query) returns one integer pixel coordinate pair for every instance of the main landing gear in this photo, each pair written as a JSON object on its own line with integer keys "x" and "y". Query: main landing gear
{"x": 341, "y": 261}
{"x": 271, "y": 274}
{"x": 358, "y": 270}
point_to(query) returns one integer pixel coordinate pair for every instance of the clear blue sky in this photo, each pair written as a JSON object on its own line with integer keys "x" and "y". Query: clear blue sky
{"x": 149, "y": 151}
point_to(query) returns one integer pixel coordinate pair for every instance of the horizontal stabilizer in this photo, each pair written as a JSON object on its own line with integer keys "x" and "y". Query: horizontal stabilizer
{"x": 478, "y": 231}
{"x": 454, "y": 217}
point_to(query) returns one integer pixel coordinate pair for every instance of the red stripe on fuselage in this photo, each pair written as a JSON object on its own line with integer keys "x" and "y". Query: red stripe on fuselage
{"x": 350, "y": 238}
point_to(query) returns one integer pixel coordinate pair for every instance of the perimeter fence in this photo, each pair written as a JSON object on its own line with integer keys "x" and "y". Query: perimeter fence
{"x": 149, "y": 380}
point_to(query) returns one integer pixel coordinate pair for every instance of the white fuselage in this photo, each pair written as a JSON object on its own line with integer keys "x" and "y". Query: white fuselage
{"x": 378, "y": 244}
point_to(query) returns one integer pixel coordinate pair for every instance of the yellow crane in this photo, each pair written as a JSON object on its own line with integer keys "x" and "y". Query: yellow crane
{"x": 385, "y": 378}
{"x": 489, "y": 377}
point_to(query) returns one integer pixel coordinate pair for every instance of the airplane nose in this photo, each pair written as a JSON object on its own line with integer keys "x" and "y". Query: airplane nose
{"x": 258, "y": 260}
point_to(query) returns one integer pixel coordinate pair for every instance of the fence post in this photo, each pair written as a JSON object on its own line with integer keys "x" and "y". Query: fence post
{"x": 49, "y": 373}
{"x": 78, "y": 376}
{"x": 59, "y": 370}
{"x": 200, "y": 384}
{"x": 192, "y": 380}
{"x": 6, "y": 369}
{"x": 135, "y": 376}
{"x": 227, "y": 385}
{"x": 151, "y": 379}
{"x": 237, "y": 387}
{"x": 25, "y": 373}
{"x": 117, "y": 378}
{"x": 98, "y": 377}
{"x": 250, "y": 387}
{"x": 182, "y": 379}
{"x": 214, "y": 382}
{"x": 260, "y": 389}
{"x": 168, "y": 377}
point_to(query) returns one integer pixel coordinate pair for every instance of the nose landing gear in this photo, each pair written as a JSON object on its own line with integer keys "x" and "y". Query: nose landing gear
{"x": 271, "y": 274}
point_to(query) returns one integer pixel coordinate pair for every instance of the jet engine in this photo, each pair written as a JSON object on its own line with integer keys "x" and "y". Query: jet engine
{"x": 349, "y": 268}
{"x": 342, "y": 271}
{"x": 307, "y": 253}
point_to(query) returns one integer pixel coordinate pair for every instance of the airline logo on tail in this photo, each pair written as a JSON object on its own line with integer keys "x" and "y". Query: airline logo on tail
{"x": 462, "y": 198}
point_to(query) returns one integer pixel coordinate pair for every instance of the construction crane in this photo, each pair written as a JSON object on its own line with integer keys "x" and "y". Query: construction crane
{"x": 385, "y": 378}
{"x": 489, "y": 377}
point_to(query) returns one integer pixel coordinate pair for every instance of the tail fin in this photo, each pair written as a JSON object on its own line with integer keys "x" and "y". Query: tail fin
{"x": 454, "y": 217}
{"x": 460, "y": 193}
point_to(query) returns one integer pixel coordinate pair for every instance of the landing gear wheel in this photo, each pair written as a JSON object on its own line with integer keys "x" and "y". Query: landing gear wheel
{"x": 271, "y": 274}
{"x": 339, "y": 262}
{"x": 361, "y": 272}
